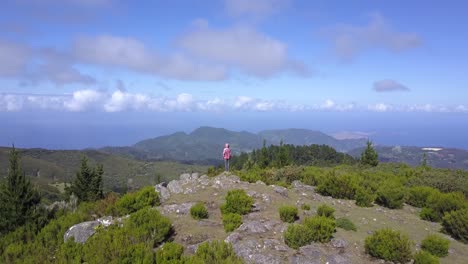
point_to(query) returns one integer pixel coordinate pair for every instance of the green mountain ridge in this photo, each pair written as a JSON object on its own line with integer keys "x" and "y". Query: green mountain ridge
{"x": 206, "y": 143}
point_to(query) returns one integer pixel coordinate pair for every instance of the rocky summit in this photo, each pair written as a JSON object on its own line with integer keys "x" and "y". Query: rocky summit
{"x": 260, "y": 237}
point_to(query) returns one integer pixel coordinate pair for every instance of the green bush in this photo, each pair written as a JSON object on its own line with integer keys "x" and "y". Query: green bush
{"x": 132, "y": 202}
{"x": 364, "y": 198}
{"x": 169, "y": 253}
{"x": 423, "y": 257}
{"x": 149, "y": 225}
{"x": 297, "y": 236}
{"x": 417, "y": 195}
{"x": 238, "y": 202}
{"x": 389, "y": 245}
{"x": 436, "y": 245}
{"x": 441, "y": 203}
{"x": 321, "y": 228}
{"x": 339, "y": 186}
{"x": 231, "y": 221}
{"x": 216, "y": 252}
{"x": 346, "y": 224}
{"x": 288, "y": 213}
{"x": 305, "y": 207}
{"x": 455, "y": 223}
{"x": 391, "y": 194}
{"x": 198, "y": 211}
{"x": 428, "y": 214}
{"x": 312, "y": 176}
{"x": 325, "y": 210}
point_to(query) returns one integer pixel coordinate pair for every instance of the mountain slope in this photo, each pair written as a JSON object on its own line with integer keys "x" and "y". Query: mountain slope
{"x": 206, "y": 143}
{"x": 436, "y": 157}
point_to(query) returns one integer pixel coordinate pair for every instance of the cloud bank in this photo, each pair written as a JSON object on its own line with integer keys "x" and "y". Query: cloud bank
{"x": 389, "y": 86}
{"x": 120, "y": 101}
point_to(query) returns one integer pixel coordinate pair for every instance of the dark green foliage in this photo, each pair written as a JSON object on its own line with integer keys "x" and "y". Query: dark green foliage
{"x": 217, "y": 252}
{"x": 88, "y": 182}
{"x": 338, "y": 186}
{"x": 325, "y": 210}
{"x": 369, "y": 156}
{"x": 149, "y": 226}
{"x": 312, "y": 175}
{"x": 214, "y": 171}
{"x": 441, "y": 203}
{"x": 436, "y": 245}
{"x": 321, "y": 228}
{"x": 428, "y": 214}
{"x": 424, "y": 257}
{"x": 418, "y": 195}
{"x": 132, "y": 202}
{"x": 305, "y": 207}
{"x": 284, "y": 155}
{"x": 455, "y": 223}
{"x": 231, "y": 221}
{"x": 288, "y": 213}
{"x": 389, "y": 245}
{"x": 346, "y": 224}
{"x": 169, "y": 253}
{"x": 297, "y": 236}
{"x": 364, "y": 197}
{"x": 237, "y": 201}
{"x": 445, "y": 180}
{"x": 198, "y": 211}
{"x": 391, "y": 194}
{"x": 19, "y": 200}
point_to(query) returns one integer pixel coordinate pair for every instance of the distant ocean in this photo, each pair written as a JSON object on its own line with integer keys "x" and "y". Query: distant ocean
{"x": 82, "y": 130}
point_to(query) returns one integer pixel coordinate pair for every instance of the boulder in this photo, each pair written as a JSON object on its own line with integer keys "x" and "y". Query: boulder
{"x": 175, "y": 187}
{"x": 164, "y": 193}
{"x": 338, "y": 243}
{"x": 281, "y": 190}
{"x": 82, "y": 231}
{"x": 181, "y": 209}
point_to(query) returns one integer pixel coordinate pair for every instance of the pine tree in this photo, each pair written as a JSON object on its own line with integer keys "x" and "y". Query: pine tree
{"x": 18, "y": 197}
{"x": 283, "y": 156}
{"x": 88, "y": 182}
{"x": 369, "y": 156}
{"x": 424, "y": 160}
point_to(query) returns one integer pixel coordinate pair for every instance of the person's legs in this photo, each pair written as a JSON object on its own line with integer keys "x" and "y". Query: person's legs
{"x": 225, "y": 165}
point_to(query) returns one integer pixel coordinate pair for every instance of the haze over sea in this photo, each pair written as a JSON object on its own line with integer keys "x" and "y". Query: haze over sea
{"x": 57, "y": 130}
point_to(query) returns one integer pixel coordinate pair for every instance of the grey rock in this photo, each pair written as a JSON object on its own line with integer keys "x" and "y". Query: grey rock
{"x": 297, "y": 184}
{"x": 164, "y": 193}
{"x": 311, "y": 251}
{"x": 175, "y": 187}
{"x": 339, "y": 243}
{"x": 182, "y": 209}
{"x": 185, "y": 177}
{"x": 195, "y": 175}
{"x": 204, "y": 180}
{"x": 82, "y": 231}
{"x": 260, "y": 183}
{"x": 266, "y": 198}
{"x": 256, "y": 207}
{"x": 233, "y": 238}
{"x": 253, "y": 227}
{"x": 281, "y": 190}
{"x": 338, "y": 259}
{"x": 265, "y": 258}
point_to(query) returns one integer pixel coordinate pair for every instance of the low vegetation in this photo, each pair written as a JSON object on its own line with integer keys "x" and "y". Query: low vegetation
{"x": 326, "y": 211}
{"x": 424, "y": 257}
{"x": 345, "y": 224}
{"x": 198, "y": 211}
{"x": 288, "y": 213}
{"x": 389, "y": 245}
{"x": 436, "y": 245}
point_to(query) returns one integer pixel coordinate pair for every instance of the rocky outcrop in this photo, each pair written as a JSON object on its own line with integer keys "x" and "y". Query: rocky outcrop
{"x": 82, "y": 231}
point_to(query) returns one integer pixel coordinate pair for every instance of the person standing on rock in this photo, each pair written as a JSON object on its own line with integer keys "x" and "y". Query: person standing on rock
{"x": 226, "y": 156}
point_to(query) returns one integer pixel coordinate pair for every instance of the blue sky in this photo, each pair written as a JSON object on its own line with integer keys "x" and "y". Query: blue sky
{"x": 206, "y": 60}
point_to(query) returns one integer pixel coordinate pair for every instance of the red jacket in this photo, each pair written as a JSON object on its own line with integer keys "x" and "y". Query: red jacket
{"x": 227, "y": 152}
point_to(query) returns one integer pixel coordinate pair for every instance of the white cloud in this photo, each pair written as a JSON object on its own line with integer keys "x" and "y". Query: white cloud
{"x": 389, "y": 86}
{"x": 119, "y": 101}
{"x": 255, "y": 9}
{"x": 133, "y": 54}
{"x": 380, "y": 107}
{"x": 350, "y": 40}
{"x": 82, "y": 100}
{"x": 241, "y": 48}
